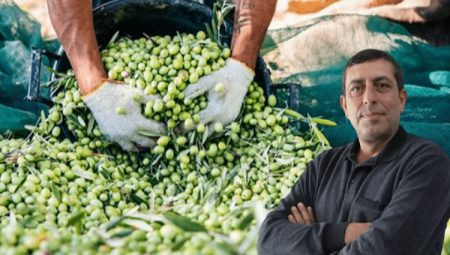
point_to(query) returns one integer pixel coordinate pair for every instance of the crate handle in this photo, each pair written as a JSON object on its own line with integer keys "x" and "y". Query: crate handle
{"x": 35, "y": 81}
{"x": 294, "y": 93}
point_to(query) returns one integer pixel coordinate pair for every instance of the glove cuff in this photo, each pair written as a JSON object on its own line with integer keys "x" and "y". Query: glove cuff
{"x": 101, "y": 91}
{"x": 242, "y": 68}
{"x": 95, "y": 91}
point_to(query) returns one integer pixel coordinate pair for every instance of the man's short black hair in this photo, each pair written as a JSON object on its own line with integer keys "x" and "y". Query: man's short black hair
{"x": 368, "y": 55}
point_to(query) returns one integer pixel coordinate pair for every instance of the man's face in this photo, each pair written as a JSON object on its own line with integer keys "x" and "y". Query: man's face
{"x": 372, "y": 101}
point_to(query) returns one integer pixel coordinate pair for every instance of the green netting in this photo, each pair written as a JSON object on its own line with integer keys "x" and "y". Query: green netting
{"x": 18, "y": 34}
{"x": 313, "y": 54}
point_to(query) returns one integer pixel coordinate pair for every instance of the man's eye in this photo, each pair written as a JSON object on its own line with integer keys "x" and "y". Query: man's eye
{"x": 383, "y": 85}
{"x": 356, "y": 88}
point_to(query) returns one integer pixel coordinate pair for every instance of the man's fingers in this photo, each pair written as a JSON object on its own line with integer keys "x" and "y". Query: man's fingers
{"x": 153, "y": 128}
{"x": 304, "y": 213}
{"x": 291, "y": 218}
{"x": 297, "y": 215}
{"x": 127, "y": 146}
{"x": 207, "y": 115}
{"x": 144, "y": 141}
{"x": 311, "y": 213}
{"x": 196, "y": 89}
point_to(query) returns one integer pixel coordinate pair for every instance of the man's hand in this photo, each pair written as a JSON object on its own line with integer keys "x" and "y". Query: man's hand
{"x": 117, "y": 109}
{"x": 252, "y": 18}
{"x": 223, "y": 104}
{"x": 302, "y": 215}
{"x": 354, "y": 230}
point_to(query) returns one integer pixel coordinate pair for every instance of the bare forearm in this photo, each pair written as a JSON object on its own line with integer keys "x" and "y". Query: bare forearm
{"x": 252, "y": 18}
{"x": 73, "y": 23}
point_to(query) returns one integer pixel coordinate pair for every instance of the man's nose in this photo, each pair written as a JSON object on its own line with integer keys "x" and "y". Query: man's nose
{"x": 370, "y": 95}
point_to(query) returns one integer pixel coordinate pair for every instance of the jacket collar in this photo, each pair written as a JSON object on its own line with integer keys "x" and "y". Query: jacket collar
{"x": 389, "y": 153}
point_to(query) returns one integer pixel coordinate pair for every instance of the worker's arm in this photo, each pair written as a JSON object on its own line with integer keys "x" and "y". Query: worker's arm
{"x": 73, "y": 24}
{"x": 252, "y": 18}
{"x": 279, "y": 234}
{"x": 302, "y": 214}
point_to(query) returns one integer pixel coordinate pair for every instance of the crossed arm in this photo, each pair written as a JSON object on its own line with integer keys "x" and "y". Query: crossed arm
{"x": 415, "y": 216}
{"x": 300, "y": 214}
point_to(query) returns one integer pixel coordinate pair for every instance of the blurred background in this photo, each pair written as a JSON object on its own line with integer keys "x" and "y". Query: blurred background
{"x": 38, "y": 10}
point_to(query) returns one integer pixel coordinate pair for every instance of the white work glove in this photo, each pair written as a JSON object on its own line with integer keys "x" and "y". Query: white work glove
{"x": 123, "y": 128}
{"x": 223, "y": 106}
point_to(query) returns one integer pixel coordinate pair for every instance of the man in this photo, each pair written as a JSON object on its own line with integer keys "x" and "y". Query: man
{"x": 73, "y": 23}
{"x": 386, "y": 193}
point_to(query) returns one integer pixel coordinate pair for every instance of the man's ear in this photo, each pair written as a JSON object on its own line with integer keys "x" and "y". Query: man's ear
{"x": 344, "y": 105}
{"x": 403, "y": 98}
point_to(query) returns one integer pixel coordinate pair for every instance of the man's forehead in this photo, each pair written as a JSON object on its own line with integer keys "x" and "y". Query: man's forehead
{"x": 373, "y": 78}
{"x": 375, "y": 69}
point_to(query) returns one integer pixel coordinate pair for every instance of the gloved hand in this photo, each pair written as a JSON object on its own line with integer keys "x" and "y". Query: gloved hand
{"x": 223, "y": 106}
{"x": 117, "y": 109}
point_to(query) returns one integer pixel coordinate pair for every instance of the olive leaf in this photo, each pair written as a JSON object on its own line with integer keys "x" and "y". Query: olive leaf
{"x": 56, "y": 191}
{"x": 138, "y": 224}
{"x": 123, "y": 233}
{"x": 84, "y": 174}
{"x": 76, "y": 218}
{"x": 205, "y": 135}
{"x": 246, "y": 221}
{"x": 103, "y": 172}
{"x": 22, "y": 181}
{"x": 177, "y": 245}
{"x": 184, "y": 223}
{"x": 137, "y": 199}
{"x": 113, "y": 223}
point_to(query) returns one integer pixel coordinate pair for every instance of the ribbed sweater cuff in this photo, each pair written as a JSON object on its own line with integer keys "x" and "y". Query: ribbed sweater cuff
{"x": 334, "y": 235}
